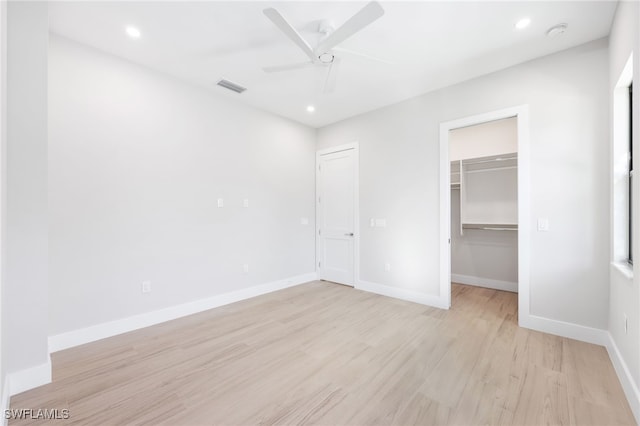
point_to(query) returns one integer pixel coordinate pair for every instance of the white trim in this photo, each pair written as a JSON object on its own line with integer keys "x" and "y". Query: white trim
{"x": 597, "y": 337}
{"x": 29, "y": 378}
{"x": 625, "y": 270}
{"x": 3, "y": 184}
{"x": 402, "y": 293}
{"x": 522, "y": 114}
{"x": 619, "y": 163}
{"x": 629, "y": 386}
{"x": 124, "y": 325}
{"x": 569, "y": 330}
{"x": 337, "y": 148}
{"x": 6, "y": 400}
{"x": 485, "y": 282}
{"x": 445, "y": 215}
{"x": 355, "y": 146}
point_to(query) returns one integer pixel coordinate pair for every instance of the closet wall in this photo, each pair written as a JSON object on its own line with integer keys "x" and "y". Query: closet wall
{"x": 487, "y": 255}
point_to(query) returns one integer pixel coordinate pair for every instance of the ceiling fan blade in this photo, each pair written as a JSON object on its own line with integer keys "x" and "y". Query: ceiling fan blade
{"x": 362, "y": 55}
{"x": 364, "y": 17}
{"x": 332, "y": 74}
{"x": 279, "y": 68}
{"x": 290, "y": 32}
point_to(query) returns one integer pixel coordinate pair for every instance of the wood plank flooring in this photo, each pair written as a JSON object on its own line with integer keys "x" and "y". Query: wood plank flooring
{"x": 322, "y": 353}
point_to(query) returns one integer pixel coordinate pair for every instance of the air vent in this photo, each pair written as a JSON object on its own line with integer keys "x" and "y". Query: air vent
{"x": 231, "y": 86}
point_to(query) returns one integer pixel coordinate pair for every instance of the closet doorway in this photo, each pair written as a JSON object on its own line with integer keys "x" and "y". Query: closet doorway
{"x": 484, "y": 204}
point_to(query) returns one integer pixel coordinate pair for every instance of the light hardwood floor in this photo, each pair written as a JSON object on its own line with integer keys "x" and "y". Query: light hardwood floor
{"x": 322, "y": 353}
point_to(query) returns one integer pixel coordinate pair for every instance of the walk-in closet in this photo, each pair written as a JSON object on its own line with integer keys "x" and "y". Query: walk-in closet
{"x": 484, "y": 205}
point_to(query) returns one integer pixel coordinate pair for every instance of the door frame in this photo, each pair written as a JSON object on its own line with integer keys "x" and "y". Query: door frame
{"x": 524, "y": 214}
{"x": 356, "y": 205}
{"x": 3, "y": 169}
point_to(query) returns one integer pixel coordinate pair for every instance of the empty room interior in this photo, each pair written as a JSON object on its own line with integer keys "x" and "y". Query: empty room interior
{"x": 319, "y": 212}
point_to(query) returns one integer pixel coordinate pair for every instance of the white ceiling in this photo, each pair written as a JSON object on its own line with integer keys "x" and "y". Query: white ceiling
{"x": 429, "y": 44}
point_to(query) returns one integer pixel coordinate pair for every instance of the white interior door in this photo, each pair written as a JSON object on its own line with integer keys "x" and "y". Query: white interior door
{"x": 336, "y": 216}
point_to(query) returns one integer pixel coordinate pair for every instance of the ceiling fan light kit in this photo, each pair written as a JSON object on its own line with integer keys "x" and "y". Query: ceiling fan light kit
{"x": 323, "y": 54}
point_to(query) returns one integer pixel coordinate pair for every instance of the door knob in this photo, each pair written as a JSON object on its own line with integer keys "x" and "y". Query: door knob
{"x": 349, "y": 234}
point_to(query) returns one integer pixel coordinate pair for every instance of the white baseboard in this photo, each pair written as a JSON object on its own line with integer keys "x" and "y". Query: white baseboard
{"x": 629, "y": 385}
{"x": 595, "y": 336}
{"x": 6, "y": 398}
{"x": 113, "y": 328}
{"x": 29, "y": 378}
{"x": 485, "y": 282}
{"x": 401, "y": 293}
{"x": 564, "y": 329}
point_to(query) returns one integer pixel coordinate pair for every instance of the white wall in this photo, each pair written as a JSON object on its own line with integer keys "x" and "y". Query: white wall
{"x": 25, "y": 289}
{"x": 483, "y": 140}
{"x": 399, "y": 162}
{"x": 624, "y": 292}
{"x": 137, "y": 161}
{"x": 481, "y": 254}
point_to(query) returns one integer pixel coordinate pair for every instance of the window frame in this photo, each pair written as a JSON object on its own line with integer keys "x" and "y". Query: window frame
{"x": 623, "y": 223}
{"x": 630, "y": 192}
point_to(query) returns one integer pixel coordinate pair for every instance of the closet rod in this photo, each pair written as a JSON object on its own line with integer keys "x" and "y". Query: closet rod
{"x": 492, "y": 169}
{"x": 489, "y": 227}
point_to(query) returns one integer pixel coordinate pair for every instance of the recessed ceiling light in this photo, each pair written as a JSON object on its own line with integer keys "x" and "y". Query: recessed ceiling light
{"x": 523, "y": 23}
{"x": 311, "y": 108}
{"x": 557, "y": 30}
{"x": 133, "y": 32}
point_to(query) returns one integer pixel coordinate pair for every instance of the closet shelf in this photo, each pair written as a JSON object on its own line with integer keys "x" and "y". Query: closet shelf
{"x": 488, "y": 192}
{"x": 491, "y": 226}
{"x": 490, "y": 163}
{"x": 491, "y": 159}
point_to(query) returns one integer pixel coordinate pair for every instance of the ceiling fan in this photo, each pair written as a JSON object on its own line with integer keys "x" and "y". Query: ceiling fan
{"x": 324, "y": 53}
